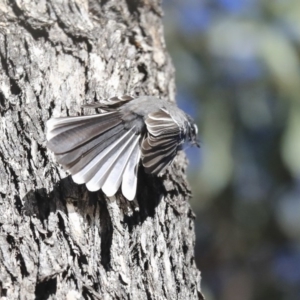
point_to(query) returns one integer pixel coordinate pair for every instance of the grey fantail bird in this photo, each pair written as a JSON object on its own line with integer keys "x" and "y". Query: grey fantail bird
{"x": 103, "y": 150}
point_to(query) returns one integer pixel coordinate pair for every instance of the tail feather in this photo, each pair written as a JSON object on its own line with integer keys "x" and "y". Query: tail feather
{"x": 64, "y": 123}
{"x": 90, "y": 169}
{"x": 81, "y": 132}
{"x": 129, "y": 180}
{"x": 114, "y": 179}
{"x": 57, "y": 122}
{"x": 98, "y": 151}
{"x": 98, "y": 180}
{"x": 91, "y": 148}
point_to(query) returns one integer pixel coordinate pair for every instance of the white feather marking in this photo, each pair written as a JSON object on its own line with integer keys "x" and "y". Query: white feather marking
{"x": 83, "y": 175}
{"x": 155, "y": 125}
{"x": 158, "y": 118}
{"x": 159, "y": 125}
{"x": 129, "y": 182}
{"x": 174, "y": 120}
{"x": 113, "y": 181}
{"x": 98, "y": 180}
{"x": 196, "y": 129}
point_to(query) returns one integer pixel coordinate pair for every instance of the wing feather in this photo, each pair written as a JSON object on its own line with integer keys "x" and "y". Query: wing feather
{"x": 160, "y": 146}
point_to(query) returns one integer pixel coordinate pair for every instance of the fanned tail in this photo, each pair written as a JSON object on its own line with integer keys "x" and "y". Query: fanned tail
{"x": 97, "y": 150}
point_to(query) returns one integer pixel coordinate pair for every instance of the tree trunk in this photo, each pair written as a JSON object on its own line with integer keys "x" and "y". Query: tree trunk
{"x": 59, "y": 241}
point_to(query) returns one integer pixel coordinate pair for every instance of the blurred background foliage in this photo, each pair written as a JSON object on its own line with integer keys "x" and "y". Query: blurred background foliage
{"x": 238, "y": 73}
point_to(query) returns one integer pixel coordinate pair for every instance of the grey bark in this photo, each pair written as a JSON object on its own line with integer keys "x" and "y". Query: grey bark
{"x": 59, "y": 241}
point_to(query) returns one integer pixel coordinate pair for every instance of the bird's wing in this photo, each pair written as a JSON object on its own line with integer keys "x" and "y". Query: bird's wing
{"x": 160, "y": 145}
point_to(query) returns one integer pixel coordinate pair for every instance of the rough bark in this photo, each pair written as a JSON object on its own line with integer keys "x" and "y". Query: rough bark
{"x": 59, "y": 241}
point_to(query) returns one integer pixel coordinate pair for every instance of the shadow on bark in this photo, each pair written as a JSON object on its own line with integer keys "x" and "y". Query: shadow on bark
{"x": 39, "y": 204}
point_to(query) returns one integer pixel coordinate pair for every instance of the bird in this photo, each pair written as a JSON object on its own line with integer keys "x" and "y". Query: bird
{"x": 104, "y": 150}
